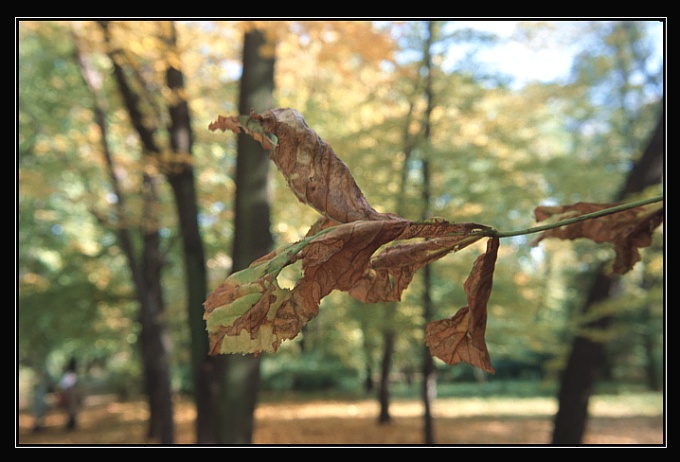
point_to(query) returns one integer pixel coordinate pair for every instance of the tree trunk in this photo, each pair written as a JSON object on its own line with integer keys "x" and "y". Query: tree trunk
{"x": 429, "y": 391}
{"x": 583, "y": 368}
{"x": 145, "y": 269}
{"x": 389, "y": 333}
{"x": 585, "y": 360}
{"x": 206, "y": 379}
{"x": 252, "y": 238}
{"x": 389, "y": 336}
{"x": 429, "y": 377}
{"x": 154, "y": 335}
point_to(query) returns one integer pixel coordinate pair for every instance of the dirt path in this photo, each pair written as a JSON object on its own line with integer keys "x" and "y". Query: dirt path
{"x": 525, "y": 421}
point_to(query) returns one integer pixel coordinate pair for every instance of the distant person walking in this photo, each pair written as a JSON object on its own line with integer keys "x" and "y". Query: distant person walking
{"x": 69, "y": 395}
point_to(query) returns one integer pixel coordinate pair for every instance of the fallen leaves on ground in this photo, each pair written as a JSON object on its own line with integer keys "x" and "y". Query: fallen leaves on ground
{"x": 457, "y": 421}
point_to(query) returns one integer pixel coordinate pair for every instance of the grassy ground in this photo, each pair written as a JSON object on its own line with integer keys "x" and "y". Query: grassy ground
{"x": 615, "y": 419}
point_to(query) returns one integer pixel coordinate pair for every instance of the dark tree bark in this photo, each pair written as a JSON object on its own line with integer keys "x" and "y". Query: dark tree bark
{"x": 429, "y": 391}
{"x": 429, "y": 373}
{"x": 389, "y": 336}
{"x": 582, "y": 370}
{"x": 586, "y": 359}
{"x": 155, "y": 339}
{"x": 180, "y": 175}
{"x": 252, "y": 237}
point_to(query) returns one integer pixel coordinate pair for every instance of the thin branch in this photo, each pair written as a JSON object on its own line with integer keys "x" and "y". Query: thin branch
{"x": 93, "y": 82}
{"x": 569, "y": 221}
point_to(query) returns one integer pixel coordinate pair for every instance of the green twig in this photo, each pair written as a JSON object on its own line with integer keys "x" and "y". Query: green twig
{"x": 569, "y": 221}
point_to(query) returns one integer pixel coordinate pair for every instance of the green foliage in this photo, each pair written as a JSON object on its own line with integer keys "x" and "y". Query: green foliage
{"x": 309, "y": 371}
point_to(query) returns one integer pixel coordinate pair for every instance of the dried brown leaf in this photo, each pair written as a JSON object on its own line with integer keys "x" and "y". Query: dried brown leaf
{"x": 250, "y": 313}
{"x": 345, "y": 250}
{"x": 391, "y": 271}
{"x": 461, "y": 337}
{"x": 313, "y": 171}
{"x": 628, "y": 230}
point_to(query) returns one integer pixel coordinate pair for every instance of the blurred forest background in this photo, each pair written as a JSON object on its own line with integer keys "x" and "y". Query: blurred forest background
{"x": 126, "y": 205}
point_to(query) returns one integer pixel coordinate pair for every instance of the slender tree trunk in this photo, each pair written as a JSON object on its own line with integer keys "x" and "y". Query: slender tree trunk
{"x": 180, "y": 175}
{"x": 429, "y": 376}
{"x": 585, "y": 361}
{"x": 252, "y": 238}
{"x": 389, "y": 333}
{"x": 145, "y": 271}
{"x": 583, "y": 368}
{"x": 389, "y": 336}
{"x": 155, "y": 339}
{"x": 429, "y": 391}
{"x": 367, "y": 345}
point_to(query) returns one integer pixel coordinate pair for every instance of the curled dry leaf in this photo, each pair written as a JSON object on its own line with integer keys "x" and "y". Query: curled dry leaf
{"x": 628, "y": 230}
{"x": 461, "y": 337}
{"x": 347, "y": 249}
{"x": 251, "y": 313}
{"x": 312, "y": 169}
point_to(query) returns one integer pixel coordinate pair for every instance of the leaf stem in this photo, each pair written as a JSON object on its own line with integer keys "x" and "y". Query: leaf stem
{"x": 569, "y": 221}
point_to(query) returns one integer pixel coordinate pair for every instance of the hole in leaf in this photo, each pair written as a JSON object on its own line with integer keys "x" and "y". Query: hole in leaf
{"x": 290, "y": 275}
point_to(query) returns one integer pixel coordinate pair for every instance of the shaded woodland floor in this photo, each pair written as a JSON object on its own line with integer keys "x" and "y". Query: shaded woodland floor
{"x": 461, "y": 421}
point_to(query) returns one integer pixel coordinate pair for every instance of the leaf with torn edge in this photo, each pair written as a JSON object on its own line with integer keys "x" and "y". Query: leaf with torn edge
{"x": 240, "y": 313}
{"x": 628, "y": 230}
{"x": 251, "y": 313}
{"x": 461, "y": 337}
